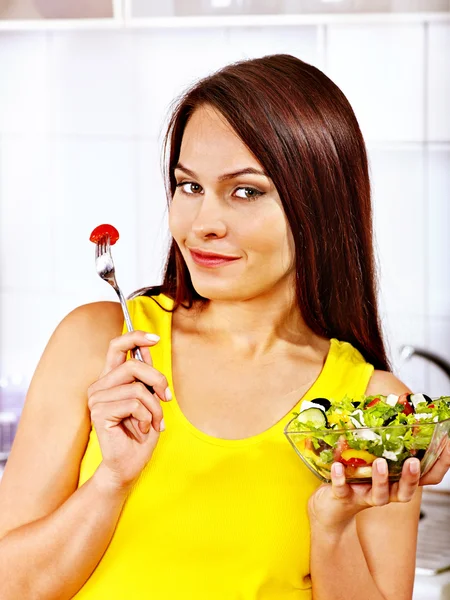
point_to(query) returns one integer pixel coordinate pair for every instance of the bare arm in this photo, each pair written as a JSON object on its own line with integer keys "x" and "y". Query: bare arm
{"x": 53, "y": 557}
{"x": 371, "y": 555}
{"x": 51, "y": 534}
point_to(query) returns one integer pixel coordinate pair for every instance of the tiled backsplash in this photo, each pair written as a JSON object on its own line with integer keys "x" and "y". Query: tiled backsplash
{"x": 81, "y": 116}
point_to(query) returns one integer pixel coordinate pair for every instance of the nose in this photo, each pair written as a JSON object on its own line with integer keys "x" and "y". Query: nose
{"x": 209, "y": 220}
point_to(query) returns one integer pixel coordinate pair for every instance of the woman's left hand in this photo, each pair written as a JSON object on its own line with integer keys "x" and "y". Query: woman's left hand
{"x": 334, "y": 505}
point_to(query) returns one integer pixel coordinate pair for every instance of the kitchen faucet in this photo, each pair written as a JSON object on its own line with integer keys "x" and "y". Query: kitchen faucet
{"x": 407, "y": 352}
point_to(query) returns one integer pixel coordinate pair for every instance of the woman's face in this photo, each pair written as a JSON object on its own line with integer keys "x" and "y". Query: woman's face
{"x": 225, "y": 205}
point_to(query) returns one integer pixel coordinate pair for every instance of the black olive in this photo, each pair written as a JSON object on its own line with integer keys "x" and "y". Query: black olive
{"x": 322, "y": 446}
{"x": 428, "y": 399}
{"x": 323, "y": 402}
{"x": 356, "y": 404}
{"x": 389, "y": 420}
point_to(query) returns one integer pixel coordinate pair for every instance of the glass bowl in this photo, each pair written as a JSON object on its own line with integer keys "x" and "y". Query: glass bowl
{"x": 357, "y": 448}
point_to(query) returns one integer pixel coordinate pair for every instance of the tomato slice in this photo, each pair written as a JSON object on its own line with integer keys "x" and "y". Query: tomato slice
{"x": 102, "y": 231}
{"x": 340, "y": 447}
{"x": 408, "y": 409}
{"x": 373, "y": 402}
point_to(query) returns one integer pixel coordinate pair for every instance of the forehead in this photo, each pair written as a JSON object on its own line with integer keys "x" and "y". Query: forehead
{"x": 210, "y": 142}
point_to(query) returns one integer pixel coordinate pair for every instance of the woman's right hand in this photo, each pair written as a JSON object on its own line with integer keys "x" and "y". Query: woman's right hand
{"x": 126, "y": 416}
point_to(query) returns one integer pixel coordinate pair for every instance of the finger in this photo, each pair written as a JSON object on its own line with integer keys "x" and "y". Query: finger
{"x": 132, "y": 426}
{"x": 131, "y": 391}
{"x": 150, "y": 376}
{"x": 131, "y": 371}
{"x": 145, "y": 353}
{"x": 408, "y": 482}
{"x": 339, "y": 486}
{"x": 119, "y": 348}
{"x": 380, "y": 482}
{"x": 109, "y": 415}
{"x": 437, "y": 473}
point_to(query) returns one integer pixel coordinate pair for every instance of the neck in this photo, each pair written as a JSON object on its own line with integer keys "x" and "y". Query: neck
{"x": 256, "y": 326}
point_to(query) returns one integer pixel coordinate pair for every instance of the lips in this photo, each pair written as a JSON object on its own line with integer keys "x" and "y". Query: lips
{"x": 209, "y": 259}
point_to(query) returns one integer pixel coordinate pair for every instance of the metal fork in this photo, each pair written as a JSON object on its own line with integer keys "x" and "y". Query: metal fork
{"x": 105, "y": 268}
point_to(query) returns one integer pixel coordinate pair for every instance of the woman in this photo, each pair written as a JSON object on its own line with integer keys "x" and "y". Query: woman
{"x": 268, "y": 299}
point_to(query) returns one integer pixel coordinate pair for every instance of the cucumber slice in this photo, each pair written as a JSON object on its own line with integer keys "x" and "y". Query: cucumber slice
{"x": 313, "y": 416}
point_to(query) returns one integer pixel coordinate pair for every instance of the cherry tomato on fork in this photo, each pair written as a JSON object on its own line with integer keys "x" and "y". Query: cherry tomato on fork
{"x": 102, "y": 231}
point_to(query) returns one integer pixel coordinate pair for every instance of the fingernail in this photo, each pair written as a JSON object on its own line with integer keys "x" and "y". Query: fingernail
{"x": 152, "y": 337}
{"x": 168, "y": 394}
{"x": 162, "y": 425}
{"x": 382, "y": 467}
{"x": 414, "y": 467}
{"x": 338, "y": 469}
{"x": 144, "y": 427}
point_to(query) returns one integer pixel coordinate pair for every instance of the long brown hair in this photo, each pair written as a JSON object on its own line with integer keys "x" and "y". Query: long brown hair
{"x": 301, "y": 128}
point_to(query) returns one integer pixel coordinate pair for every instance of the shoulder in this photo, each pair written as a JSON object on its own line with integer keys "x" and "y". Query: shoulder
{"x": 384, "y": 382}
{"x": 85, "y": 333}
{"x": 96, "y": 310}
{"x": 105, "y": 318}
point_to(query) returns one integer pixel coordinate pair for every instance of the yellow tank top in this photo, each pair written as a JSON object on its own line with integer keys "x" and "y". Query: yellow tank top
{"x": 210, "y": 518}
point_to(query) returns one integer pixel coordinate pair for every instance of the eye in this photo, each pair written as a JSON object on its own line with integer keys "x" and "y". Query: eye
{"x": 248, "y": 193}
{"x": 189, "y": 187}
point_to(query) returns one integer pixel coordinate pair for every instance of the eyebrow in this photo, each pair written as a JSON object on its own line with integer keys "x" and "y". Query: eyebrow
{"x": 225, "y": 176}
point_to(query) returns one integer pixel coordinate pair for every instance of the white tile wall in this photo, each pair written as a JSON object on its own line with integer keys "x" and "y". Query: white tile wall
{"x": 397, "y": 177}
{"x": 23, "y": 83}
{"x": 80, "y": 119}
{"x": 26, "y": 219}
{"x": 438, "y": 203}
{"x": 252, "y": 42}
{"x": 438, "y": 70}
{"x": 401, "y": 329}
{"x": 153, "y": 236}
{"x": 92, "y": 83}
{"x": 380, "y": 68}
{"x": 439, "y": 328}
{"x": 27, "y": 322}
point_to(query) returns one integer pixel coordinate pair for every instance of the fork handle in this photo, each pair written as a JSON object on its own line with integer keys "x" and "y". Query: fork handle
{"x": 136, "y": 352}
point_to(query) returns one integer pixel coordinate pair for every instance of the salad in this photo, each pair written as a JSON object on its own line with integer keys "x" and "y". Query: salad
{"x": 357, "y": 431}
